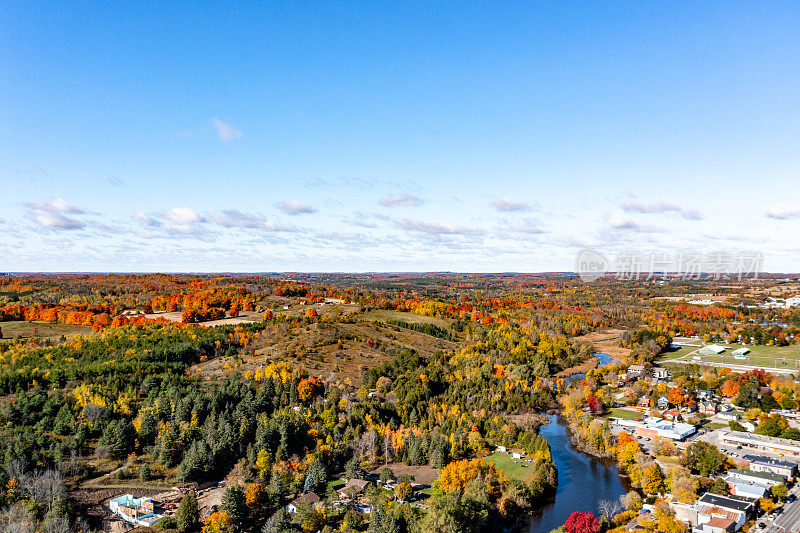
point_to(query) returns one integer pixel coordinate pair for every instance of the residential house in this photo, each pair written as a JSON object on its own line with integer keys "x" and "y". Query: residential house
{"x": 357, "y": 485}
{"x": 662, "y": 403}
{"x": 660, "y": 373}
{"x": 728, "y": 416}
{"x": 635, "y": 371}
{"x": 644, "y": 401}
{"x": 707, "y": 407}
{"x": 704, "y": 395}
{"x": 309, "y": 498}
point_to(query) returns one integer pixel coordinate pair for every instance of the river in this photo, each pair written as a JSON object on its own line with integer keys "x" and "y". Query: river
{"x": 583, "y": 480}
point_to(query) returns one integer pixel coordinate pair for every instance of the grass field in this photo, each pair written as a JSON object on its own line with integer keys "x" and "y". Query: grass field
{"x": 385, "y": 315}
{"x": 625, "y": 414}
{"x": 511, "y": 467}
{"x": 23, "y": 329}
{"x": 759, "y": 356}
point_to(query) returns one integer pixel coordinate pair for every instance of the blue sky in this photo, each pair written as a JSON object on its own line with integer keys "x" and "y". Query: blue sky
{"x": 422, "y": 136}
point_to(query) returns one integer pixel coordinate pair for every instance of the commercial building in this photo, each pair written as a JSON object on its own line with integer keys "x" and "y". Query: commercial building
{"x": 761, "y": 442}
{"x": 783, "y": 467}
{"x": 657, "y": 427}
{"x": 713, "y": 513}
{"x": 766, "y": 479}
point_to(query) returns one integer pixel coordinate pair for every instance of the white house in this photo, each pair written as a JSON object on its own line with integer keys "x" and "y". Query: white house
{"x": 663, "y": 403}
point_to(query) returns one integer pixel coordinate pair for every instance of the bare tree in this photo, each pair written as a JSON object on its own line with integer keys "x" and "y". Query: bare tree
{"x": 609, "y": 508}
{"x": 16, "y": 519}
{"x": 58, "y": 524}
{"x": 388, "y": 448}
{"x": 16, "y": 468}
{"x": 43, "y": 486}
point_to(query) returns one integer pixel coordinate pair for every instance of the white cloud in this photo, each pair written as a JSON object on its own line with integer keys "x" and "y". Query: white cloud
{"x": 182, "y": 216}
{"x": 295, "y": 207}
{"x": 528, "y": 226}
{"x": 783, "y": 211}
{"x": 226, "y": 132}
{"x": 434, "y": 228}
{"x": 54, "y": 220}
{"x": 51, "y": 215}
{"x": 507, "y": 205}
{"x": 403, "y": 200}
{"x": 56, "y": 205}
{"x": 660, "y": 207}
{"x": 617, "y": 221}
{"x": 233, "y": 218}
{"x": 145, "y": 219}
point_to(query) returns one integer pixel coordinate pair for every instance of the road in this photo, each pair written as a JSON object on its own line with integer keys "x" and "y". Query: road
{"x": 786, "y": 522}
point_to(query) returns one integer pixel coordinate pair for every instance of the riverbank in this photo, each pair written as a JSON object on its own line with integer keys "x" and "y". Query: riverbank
{"x": 583, "y": 480}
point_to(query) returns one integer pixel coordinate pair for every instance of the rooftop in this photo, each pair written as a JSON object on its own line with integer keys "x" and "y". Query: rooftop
{"x": 720, "y": 522}
{"x": 726, "y": 502}
{"x": 760, "y": 459}
{"x": 762, "y": 475}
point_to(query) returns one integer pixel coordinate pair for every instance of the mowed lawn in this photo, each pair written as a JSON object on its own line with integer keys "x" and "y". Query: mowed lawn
{"x": 625, "y": 414}
{"x": 385, "y": 315}
{"x": 39, "y": 329}
{"x": 511, "y": 467}
{"x": 759, "y": 356}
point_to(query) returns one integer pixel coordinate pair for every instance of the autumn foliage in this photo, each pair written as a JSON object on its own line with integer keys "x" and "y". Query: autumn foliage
{"x": 218, "y": 522}
{"x": 579, "y": 522}
{"x": 456, "y": 475}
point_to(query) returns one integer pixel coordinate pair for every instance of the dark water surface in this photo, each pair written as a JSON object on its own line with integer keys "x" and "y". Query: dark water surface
{"x": 582, "y": 480}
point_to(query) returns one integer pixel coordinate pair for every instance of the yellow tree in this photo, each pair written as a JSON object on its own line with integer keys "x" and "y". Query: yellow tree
{"x": 404, "y": 491}
{"x": 653, "y": 480}
{"x": 218, "y": 522}
{"x": 254, "y": 497}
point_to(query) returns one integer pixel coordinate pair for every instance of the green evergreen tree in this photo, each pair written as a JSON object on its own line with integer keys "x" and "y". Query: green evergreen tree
{"x": 187, "y": 515}
{"x": 233, "y": 503}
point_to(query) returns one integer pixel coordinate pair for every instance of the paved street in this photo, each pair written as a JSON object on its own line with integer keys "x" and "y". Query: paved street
{"x": 786, "y": 522}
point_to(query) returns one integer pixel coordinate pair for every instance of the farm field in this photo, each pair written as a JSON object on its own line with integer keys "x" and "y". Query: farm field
{"x": 40, "y": 329}
{"x": 385, "y": 316}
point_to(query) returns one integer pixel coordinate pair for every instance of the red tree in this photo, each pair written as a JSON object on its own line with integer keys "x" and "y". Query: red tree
{"x": 594, "y": 404}
{"x": 579, "y": 522}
